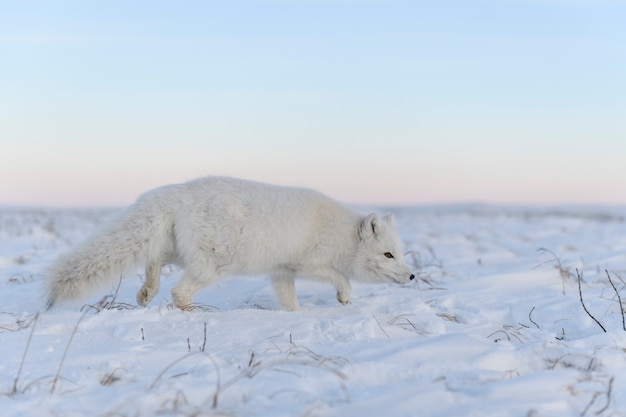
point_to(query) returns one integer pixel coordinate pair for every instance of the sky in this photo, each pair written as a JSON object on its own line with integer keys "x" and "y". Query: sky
{"x": 372, "y": 102}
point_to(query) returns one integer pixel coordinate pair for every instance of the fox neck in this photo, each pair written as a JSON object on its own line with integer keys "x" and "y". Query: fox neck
{"x": 347, "y": 256}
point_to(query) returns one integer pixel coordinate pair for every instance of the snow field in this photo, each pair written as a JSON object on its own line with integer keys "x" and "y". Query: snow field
{"x": 493, "y": 326}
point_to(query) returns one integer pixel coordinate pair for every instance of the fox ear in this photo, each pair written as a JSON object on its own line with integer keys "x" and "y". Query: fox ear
{"x": 369, "y": 227}
{"x": 388, "y": 218}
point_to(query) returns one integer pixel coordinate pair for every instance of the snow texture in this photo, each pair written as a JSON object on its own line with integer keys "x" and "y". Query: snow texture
{"x": 492, "y": 326}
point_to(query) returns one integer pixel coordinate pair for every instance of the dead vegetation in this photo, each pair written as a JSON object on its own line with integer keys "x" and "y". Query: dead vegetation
{"x": 109, "y": 302}
{"x": 289, "y": 361}
{"x": 424, "y": 266}
{"x": 564, "y": 272}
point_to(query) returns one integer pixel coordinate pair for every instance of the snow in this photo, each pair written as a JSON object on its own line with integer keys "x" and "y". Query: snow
{"x": 493, "y": 326}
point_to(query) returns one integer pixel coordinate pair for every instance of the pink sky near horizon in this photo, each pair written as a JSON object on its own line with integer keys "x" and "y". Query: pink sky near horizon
{"x": 110, "y": 177}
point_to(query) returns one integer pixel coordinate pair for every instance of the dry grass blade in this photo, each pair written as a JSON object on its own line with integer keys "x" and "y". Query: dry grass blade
{"x": 109, "y": 302}
{"x": 448, "y": 317}
{"x": 530, "y": 317}
{"x": 563, "y": 272}
{"x": 580, "y": 293}
{"x": 381, "y": 327}
{"x": 19, "y": 370}
{"x": 418, "y": 264}
{"x": 110, "y": 378}
{"x": 609, "y": 391}
{"x": 258, "y": 366}
{"x": 168, "y": 367}
{"x": 510, "y": 332}
{"x": 193, "y": 307}
{"x": 403, "y": 322}
{"x": 619, "y": 299}
{"x": 67, "y": 348}
{"x": 296, "y": 350}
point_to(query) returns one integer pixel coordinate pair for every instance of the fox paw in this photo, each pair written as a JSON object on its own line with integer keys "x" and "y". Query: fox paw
{"x": 344, "y": 299}
{"x": 144, "y": 297}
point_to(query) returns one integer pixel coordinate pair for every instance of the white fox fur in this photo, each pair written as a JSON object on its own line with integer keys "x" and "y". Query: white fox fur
{"x": 215, "y": 227}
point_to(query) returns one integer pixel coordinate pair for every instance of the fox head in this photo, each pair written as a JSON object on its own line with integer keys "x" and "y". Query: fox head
{"x": 379, "y": 256}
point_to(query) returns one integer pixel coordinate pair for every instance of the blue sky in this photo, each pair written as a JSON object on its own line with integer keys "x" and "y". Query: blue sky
{"x": 383, "y": 102}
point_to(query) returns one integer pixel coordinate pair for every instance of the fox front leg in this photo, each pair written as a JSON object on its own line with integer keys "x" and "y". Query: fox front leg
{"x": 343, "y": 287}
{"x": 344, "y": 292}
{"x": 340, "y": 282}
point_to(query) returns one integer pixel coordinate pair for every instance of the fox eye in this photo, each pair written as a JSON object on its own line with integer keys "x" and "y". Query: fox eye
{"x": 389, "y": 255}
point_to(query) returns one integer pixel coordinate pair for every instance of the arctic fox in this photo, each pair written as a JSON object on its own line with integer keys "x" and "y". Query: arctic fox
{"x": 214, "y": 227}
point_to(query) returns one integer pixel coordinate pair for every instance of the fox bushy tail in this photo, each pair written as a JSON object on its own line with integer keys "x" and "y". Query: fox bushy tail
{"x": 137, "y": 236}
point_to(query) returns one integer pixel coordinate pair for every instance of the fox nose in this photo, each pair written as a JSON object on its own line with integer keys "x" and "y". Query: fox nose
{"x": 412, "y": 277}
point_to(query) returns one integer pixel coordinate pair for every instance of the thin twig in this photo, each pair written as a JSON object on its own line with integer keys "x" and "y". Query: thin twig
{"x": 580, "y": 293}
{"x": 67, "y": 348}
{"x": 204, "y": 341}
{"x": 381, "y": 327}
{"x": 19, "y": 371}
{"x": 619, "y": 300}
{"x": 594, "y": 397}
{"x": 608, "y": 397}
{"x": 168, "y": 367}
{"x": 218, "y": 381}
{"x": 563, "y": 272}
{"x": 531, "y": 319}
{"x": 276, "y": 364}
{"x": 562, "y": 337}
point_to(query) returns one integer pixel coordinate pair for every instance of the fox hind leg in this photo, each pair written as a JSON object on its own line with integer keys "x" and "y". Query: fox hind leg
{"x": 184, "y": 291}
{"x": 285, "y": 289}
{"x": 151, "y": 285}
{"x": 192, "y": 282}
